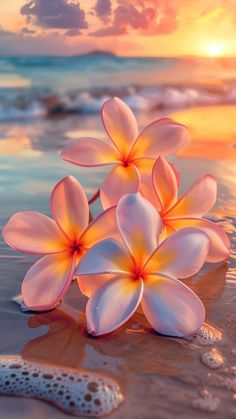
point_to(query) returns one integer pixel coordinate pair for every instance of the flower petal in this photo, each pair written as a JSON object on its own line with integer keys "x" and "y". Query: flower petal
{"x": 113, "y": 304}
{"x": 106, "y": 257}
{"x": 47, "y": 281}
{"x": 164, "y": 180}
{"x": 197, "y": 201}
{"x": 102, "y": 227}
{"x": 180, "y": 255}
{"x": 220, "y": 245}
{"x": 120, "y": 124}
{"x": 33, "y": 232}
{"x": 88, "y": 284}
{"x": 140, "y": 226}
{"x": 120, "y": 181}
{"x": 69, "y": 207}
{"x": 161, "y": 137}
{"x": 171, "y": 307}
{"x": 89, "y": 152}
{"x": 146, "y": 187}
{"x": 176, "y": 172}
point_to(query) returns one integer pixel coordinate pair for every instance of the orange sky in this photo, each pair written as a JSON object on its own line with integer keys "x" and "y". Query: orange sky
{"x": 126, "y": 27}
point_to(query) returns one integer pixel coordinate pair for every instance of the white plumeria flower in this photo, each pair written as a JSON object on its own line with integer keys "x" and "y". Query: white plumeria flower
{"x": 119, "y": 275}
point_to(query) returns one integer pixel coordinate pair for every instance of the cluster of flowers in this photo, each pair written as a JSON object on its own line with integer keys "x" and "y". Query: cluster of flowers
{"x": 135, "y": 250}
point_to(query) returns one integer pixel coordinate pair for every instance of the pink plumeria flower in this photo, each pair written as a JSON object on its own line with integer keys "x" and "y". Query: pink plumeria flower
{"x": 144, "y": 272}
{"x": 132, "y": 154}
{"x": 188, "y": 210}
{"x": 64, "y": 239}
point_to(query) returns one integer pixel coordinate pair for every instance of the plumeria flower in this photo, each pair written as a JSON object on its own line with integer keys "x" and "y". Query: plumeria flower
{"x": 188, "y": 210}
{"x": 64, "y": 239}
{"x": 145, "y": 272}
{"x": 133, "y": 154}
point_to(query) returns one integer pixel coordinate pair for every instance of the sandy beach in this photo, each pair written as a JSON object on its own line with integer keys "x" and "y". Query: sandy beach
{"x": 160, "y": 377}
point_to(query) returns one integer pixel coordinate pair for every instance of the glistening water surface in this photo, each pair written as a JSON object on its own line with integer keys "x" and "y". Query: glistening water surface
{"x": 161, "y": 377}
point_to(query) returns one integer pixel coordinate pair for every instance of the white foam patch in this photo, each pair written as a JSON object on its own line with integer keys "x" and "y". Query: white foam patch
{"x": 77, "y": 393}
{"x": 207, "y": 335}
{"x": 207, "y": 405}
{"x": 212, "y": 359}
{"x": 18, "y": 299}
{"x": 206, "y": 402}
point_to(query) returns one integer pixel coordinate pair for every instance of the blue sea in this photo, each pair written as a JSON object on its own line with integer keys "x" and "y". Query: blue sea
{"x": 40, "y": 86}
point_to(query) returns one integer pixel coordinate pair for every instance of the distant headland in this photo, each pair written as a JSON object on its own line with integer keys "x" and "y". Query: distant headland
{"x": 97, "y": 53}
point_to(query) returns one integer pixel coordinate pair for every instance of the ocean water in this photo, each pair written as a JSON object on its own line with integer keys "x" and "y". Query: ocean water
{"x": 40, "y": 86}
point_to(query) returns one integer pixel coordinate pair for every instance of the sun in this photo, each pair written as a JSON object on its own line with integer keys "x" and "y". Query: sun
{"x": 214, "y": 50}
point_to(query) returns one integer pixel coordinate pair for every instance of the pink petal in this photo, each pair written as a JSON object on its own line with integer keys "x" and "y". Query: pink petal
{"x": 101, "y": 228}
{"x": 220, "y": 245}
{"x": 165, "y": 183}
{"x": 89, "y": 152}
{"x": 197, "y": 201}
{"x": 111, "y": 305}
{"x": 161, "y": 137}
{"x": 89, "y": 284}
{"x": 176, "y": 172}
{"x": 47, "y": 281}
{"x": 32, "y": 232}
{"x": 146, "y": 187}
{"x": 181, "y": 255}
{"x": 120, "y": 124}
{"x": 69, "y": 207}
{"x": 171, "y": 307}
{"x": 120, "y": 181}
{"x": 140, "y": 225}
{"x": 106, "y": 257}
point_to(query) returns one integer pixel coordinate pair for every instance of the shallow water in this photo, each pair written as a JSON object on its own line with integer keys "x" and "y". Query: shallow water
{"x": 161, "y": 377}
{"x": 34, "y": 86}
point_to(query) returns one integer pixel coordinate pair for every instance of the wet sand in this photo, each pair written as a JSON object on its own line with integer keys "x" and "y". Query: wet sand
{"x": 161, "y": 377}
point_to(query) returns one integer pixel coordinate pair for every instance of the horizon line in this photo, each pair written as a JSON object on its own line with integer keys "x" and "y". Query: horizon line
{"x": 101, "y": 53}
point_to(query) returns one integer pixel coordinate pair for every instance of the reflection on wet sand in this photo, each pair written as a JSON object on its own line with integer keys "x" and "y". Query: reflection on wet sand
{"x": 135, "y": 352}
{"x": 212, "y": 132}
{"x": 209, "y": 284}
{"x": 70, "y": 342}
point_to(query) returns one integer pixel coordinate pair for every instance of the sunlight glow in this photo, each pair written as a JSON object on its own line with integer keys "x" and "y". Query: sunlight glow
{"x": 214, "y": 49}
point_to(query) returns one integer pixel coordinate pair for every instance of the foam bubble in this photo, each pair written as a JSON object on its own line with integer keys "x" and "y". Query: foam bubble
{"x": 206, "y": 404}
{"x": 77, "y": 393}
{"x": 18, "y": 299}
{"x": 205, "y": 336}
{"x": 213, "y": 359}
{"x": 231, "y": 384}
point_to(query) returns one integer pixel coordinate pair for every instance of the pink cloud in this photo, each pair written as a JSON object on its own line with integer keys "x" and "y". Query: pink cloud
{"x": 148, "y": 18}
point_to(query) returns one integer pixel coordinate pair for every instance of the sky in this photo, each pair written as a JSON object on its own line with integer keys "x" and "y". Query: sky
{"x": 124, "y": 27}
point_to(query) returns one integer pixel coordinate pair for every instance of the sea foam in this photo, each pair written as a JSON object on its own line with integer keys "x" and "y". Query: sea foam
{"x": 77, "y": 393}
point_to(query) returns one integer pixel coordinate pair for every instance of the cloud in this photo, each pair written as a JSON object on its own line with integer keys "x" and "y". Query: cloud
{"x": 103, "y": 10}
{"x": 3, "y": 32}
{"x": 55, "y": 14}
{"x": 73, "y": 32}
{"x": 26, "y": 31}
{"x": 152, "y": 17}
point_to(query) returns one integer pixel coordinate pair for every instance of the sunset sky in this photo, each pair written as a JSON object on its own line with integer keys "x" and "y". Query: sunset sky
{"x": 125, "y": 27}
